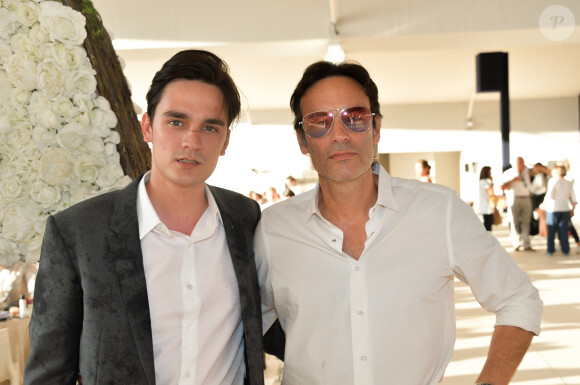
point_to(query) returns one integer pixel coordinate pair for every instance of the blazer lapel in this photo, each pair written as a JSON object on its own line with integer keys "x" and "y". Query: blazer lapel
{"x": 125, "y": 246}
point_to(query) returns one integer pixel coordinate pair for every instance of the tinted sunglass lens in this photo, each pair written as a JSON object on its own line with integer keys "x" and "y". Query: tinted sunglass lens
{"x": 317, "y": 124}
{"x": 357, "y": 119}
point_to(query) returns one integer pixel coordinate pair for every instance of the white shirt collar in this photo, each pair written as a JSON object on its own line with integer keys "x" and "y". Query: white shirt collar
{"x": 148, "y": 218}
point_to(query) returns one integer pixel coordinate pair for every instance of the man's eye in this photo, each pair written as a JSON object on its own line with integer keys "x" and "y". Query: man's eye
{"x": 175, "y": 123}
{"x": 210, "y": 129}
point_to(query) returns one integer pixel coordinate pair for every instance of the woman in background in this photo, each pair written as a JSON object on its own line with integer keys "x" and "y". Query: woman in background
{"x": 486, "y": 192}
{"x": 422, "y": 170}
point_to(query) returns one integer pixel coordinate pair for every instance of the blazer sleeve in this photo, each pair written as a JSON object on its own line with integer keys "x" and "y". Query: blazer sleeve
{"x": 56, "y": 323}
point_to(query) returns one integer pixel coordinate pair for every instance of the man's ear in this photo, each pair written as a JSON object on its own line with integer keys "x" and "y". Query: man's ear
{"x": 146, "y": 128}
{"x": 301, "y": 137}
{"x": 223, "y": 152}
{"x": 377, "y": 130}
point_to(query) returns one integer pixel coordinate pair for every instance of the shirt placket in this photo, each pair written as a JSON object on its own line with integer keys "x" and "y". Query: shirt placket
{"x": 359, "y": 327}
{"x": 190, "y": 322}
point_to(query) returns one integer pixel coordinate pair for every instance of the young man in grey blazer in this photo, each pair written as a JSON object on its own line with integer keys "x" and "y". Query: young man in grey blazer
{"x": 156, "y": 283}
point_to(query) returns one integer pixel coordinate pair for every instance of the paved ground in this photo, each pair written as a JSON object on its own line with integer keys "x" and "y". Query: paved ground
{"x": 554, "y": 357}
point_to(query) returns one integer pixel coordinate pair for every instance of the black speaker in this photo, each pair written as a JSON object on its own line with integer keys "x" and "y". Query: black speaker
{"x": 492, "y": 71}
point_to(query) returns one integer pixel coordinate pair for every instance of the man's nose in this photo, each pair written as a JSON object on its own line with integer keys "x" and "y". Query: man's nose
{"x": 338, "y": 131}
{"x": 192, "y": 139}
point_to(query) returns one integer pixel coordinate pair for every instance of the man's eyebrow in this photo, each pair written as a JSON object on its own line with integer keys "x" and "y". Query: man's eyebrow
{"x": 216, "y": 121}
{"x": 175, "y": 114}
{"x": 182, "y": 115}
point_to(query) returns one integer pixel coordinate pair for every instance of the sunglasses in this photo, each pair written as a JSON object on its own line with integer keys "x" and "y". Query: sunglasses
{"x": 356, "y": 119}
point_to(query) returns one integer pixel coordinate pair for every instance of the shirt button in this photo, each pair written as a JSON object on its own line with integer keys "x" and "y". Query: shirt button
{"x": 359, "y": 312}
{"x": 189, "y": 286}
{"x": 357, "y": 268}
{"x": 334, "y": 240}
{"x": 363, "y": 358}
{"x": 187, "y": 374}
{"x": 190, "y": 329}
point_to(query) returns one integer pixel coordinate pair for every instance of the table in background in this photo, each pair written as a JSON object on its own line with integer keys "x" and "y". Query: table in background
{"x": 19, "y": 341}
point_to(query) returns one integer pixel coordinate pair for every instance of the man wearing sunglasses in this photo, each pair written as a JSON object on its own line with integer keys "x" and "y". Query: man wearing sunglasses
{"x": 360, "y": 270}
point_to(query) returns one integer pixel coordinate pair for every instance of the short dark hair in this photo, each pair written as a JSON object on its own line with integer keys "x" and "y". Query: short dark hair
{"x": 196, "y": 65}
{"x": 323, "y": 69}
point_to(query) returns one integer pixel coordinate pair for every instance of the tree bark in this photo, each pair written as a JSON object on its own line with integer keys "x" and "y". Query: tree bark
{"x": 111, "y": 83}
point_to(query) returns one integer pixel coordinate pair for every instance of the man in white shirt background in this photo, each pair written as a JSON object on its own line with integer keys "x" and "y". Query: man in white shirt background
{"x": 516, "y": 185}
{"x": 360, "y": 270}
{"x": 156, "y": 283}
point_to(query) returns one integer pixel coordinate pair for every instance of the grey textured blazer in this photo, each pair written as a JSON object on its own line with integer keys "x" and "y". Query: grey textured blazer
{"x": 91, "y": 312}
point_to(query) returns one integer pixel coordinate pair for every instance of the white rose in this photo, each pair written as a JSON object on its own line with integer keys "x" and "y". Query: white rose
{"x": 93, "y": 145}
{"x": 71, "y": 57}
{"x": 87, "y": 170}
{"x": 82, "y": 82}
{"x": 110, "y": 149}
{"x": 103, "y": 118}
{"x": 62, "y": 23}
{"x": 72, "y": 136}
{"x": 43, "y": 138}
{"x": 56, "y": 167}
{"x": 5, "y": 51}
{"x": 20, "y": 96}
{"x": 84, "y": 105}
{"x": 11, "y": 184}
{"x": 21, "y": 71}
{"x": 27, "y": 13}
{"x": 109, "y": 176}
{"x": 50, "y": 77}
{"x": 21, "y": 43}
{"x": 40, "y": 111}
{"x": 16, "y": 223}
{"x": 16, "y": 112}
{"x": 113, "y": 137}
{"x": 102, "y": 102}
{"x": 37, "y": 36}
{"x": 63, "y": 106}
{"x": 44, "y": 194}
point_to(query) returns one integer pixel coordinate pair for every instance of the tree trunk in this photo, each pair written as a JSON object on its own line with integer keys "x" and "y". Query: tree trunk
{"x": 112, "y": 84}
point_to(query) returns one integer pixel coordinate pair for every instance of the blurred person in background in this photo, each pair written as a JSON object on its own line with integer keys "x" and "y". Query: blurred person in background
{"x": 559, "y": 202}
{"x": 486, "y": 197}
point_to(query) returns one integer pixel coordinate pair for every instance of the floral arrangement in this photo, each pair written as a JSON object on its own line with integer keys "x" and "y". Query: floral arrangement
{"x": 57, "y": 146}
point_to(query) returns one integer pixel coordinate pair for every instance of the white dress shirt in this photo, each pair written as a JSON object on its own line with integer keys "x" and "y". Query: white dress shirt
{"x": 559, "y": 196}
{"x": 388, "y": 318}
{"x": 193, "y": 299}
{"x": 484, "y": 207}
{"x": 519, "y": 188}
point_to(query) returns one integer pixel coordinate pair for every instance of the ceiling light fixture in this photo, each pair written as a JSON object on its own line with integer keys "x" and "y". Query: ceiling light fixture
{"x": 334, "y": 53}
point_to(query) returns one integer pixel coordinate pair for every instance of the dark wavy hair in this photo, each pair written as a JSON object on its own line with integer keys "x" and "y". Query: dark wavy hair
{"x": 196, "y": 65}
{"x": 323, "y": 69}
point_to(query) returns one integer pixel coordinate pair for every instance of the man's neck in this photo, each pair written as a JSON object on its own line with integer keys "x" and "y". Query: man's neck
{"x": 348, "y": 199}
{"x": 179, "y": 208}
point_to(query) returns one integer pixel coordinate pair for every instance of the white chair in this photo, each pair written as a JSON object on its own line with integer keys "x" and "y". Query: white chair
{"x": 7, "y": 369}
